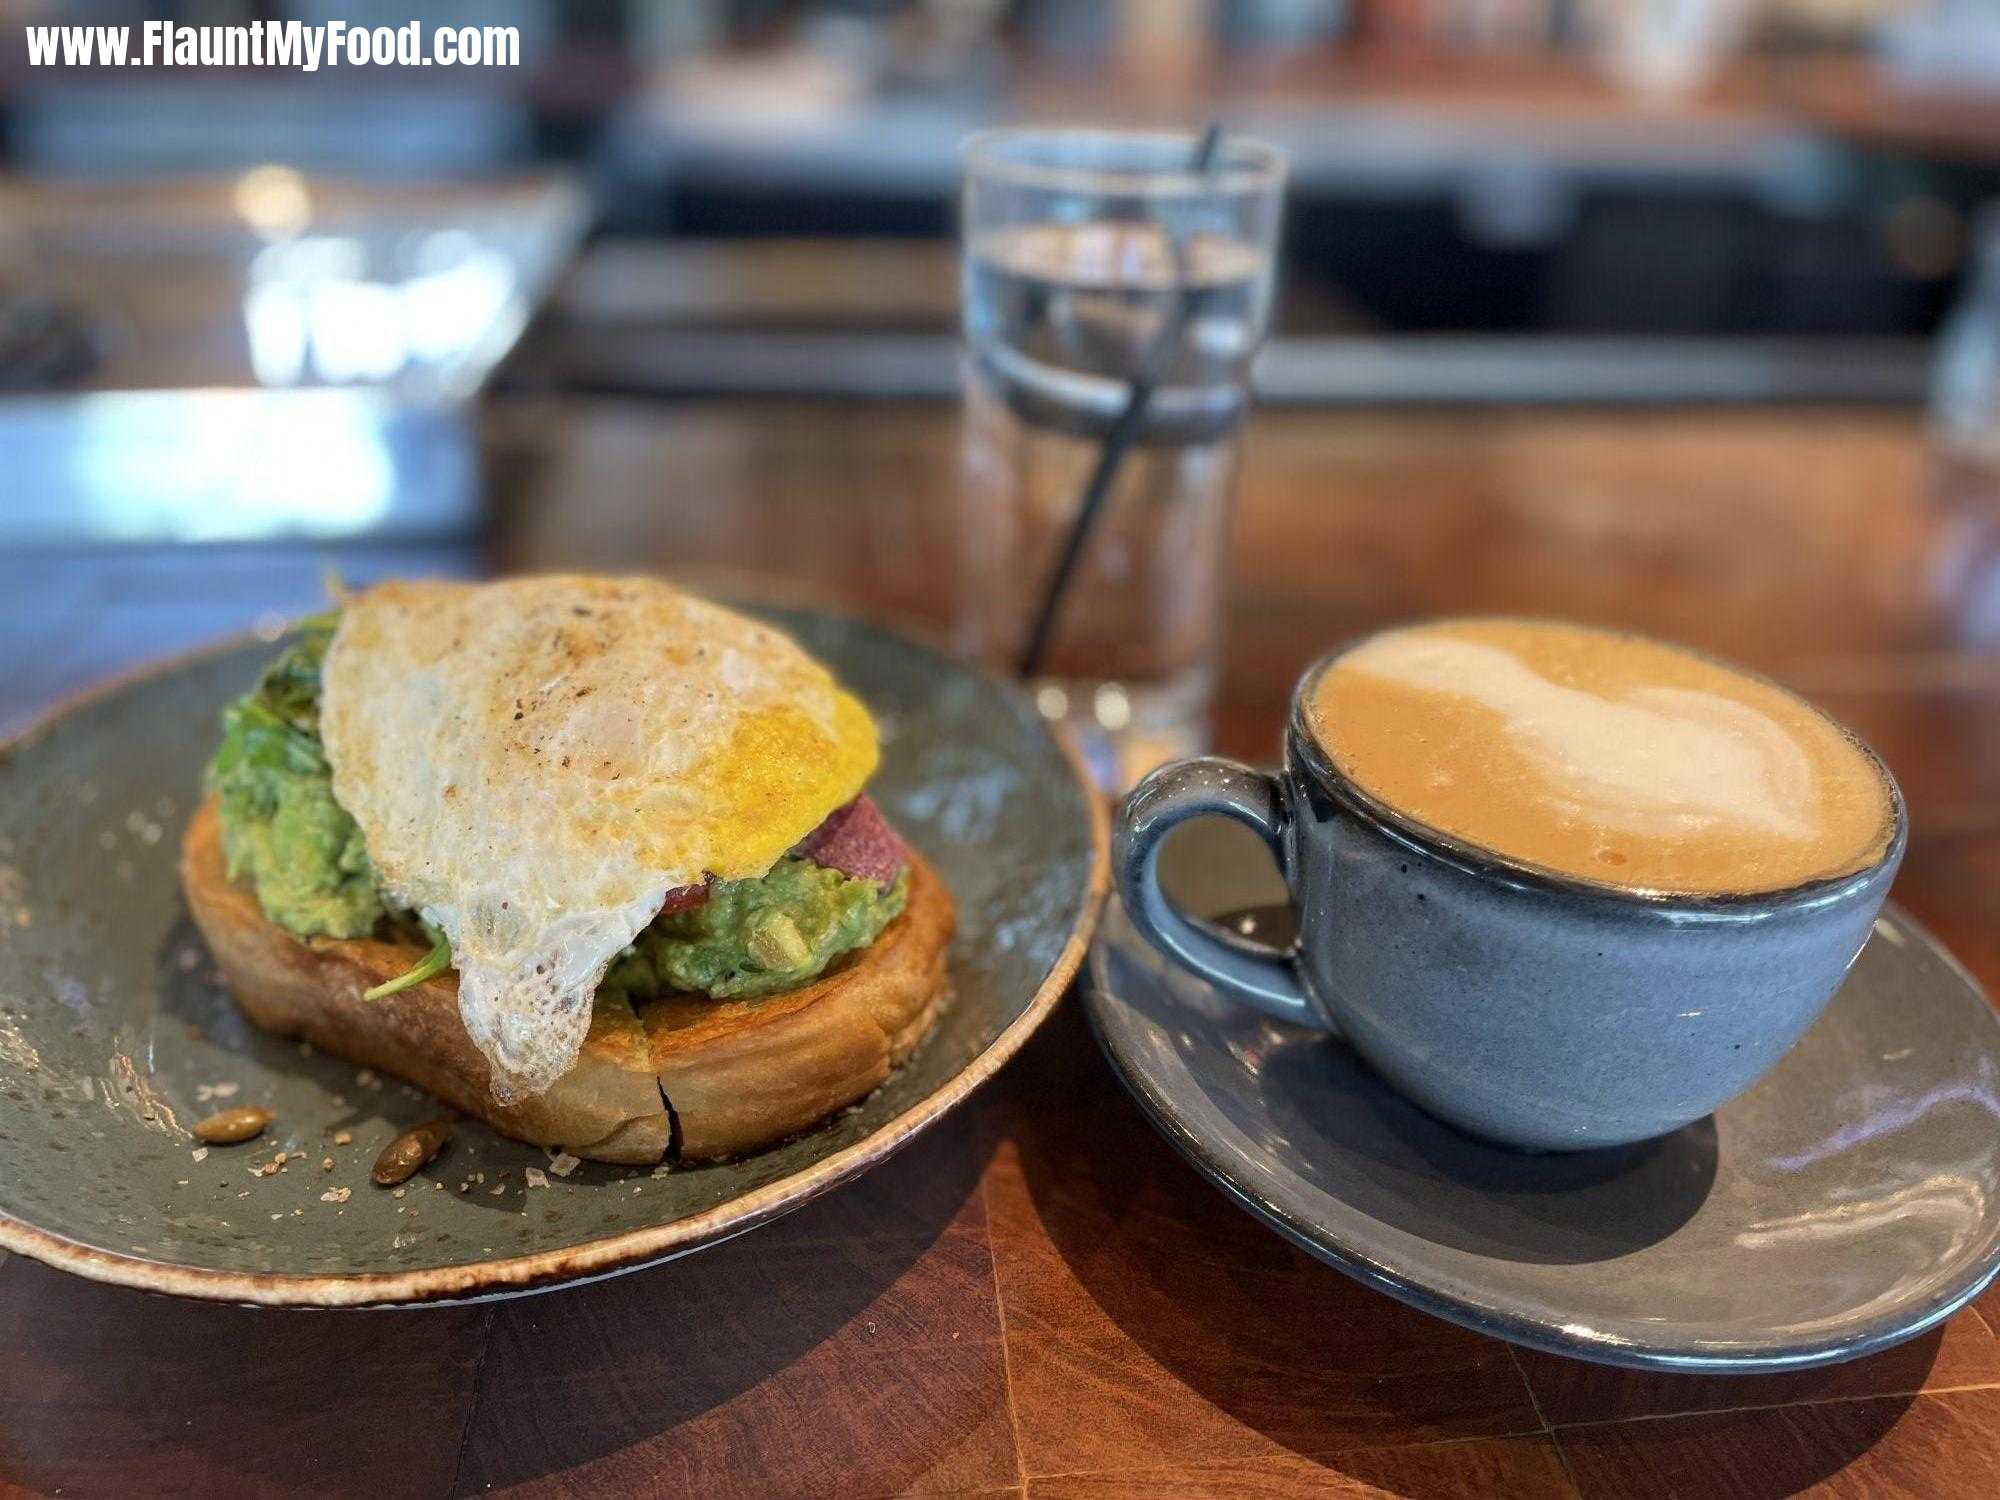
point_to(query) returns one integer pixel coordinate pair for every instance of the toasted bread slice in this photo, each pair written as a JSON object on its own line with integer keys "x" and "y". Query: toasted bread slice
{"x": 706, "y": 1078}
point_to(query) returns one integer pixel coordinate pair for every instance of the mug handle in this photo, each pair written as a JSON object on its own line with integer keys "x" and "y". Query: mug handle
{"x": 1209, "y": 787}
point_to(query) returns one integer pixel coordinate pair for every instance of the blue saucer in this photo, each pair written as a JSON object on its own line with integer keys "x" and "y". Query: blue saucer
{"x": 1847, "y": 1202}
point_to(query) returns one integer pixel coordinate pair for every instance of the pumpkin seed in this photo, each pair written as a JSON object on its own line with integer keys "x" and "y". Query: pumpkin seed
{"x": 227, "y": 1127}
{"x": 408, "y": 1152}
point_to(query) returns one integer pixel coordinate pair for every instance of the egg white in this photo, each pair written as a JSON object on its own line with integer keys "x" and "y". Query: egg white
{"x": 535, "y": 763}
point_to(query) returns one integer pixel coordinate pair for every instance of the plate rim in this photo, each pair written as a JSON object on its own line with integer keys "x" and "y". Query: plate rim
{"x": 1753, "y": 1359}
{"x": 632, "y": 1249}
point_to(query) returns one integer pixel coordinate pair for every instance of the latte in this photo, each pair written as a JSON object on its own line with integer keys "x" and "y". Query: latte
{"x": 1602, "y": 756}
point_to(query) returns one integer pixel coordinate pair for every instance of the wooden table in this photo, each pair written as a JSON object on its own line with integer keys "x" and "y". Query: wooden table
{"x": 1039, "y": 1296}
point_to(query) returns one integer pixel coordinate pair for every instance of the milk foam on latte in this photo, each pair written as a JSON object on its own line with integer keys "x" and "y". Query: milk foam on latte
{"x": 1605, "y": 756}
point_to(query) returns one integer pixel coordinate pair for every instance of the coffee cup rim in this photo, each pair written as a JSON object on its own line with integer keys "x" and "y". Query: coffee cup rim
{"x": 1476, "y": 859}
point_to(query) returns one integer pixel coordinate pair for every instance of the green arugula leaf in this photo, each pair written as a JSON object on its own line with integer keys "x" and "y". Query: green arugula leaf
{"x": 429, "y": 966}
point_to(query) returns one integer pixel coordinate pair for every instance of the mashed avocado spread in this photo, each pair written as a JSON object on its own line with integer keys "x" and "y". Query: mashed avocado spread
{"x": 296, "y": 847}
{"x": 757, "y": 937}
{"x": 282, "y": 832}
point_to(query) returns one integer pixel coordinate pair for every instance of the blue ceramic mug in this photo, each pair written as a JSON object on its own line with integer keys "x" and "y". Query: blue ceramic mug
{"x": 1536, "y": 1010}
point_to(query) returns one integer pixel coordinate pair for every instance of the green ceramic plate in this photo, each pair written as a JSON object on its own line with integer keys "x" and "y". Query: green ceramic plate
{"x": 116, "y": 1035}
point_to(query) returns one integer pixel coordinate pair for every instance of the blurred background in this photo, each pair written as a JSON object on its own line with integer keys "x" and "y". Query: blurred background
{"x": 258, "y": 323}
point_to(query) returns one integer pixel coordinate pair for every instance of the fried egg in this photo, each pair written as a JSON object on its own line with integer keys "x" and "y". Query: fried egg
{"x": 535, "y": 764}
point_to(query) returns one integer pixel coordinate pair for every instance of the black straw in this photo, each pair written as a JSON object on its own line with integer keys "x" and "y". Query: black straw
{"x": 1131, "y": 420}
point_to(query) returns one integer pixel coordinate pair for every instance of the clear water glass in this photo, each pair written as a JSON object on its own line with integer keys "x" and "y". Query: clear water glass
{"x": 1094, "y": 261}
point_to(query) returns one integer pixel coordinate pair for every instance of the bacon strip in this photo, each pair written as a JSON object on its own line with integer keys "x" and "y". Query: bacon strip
{"x": 687, "y": 897}
{"x": 855, "y": 840}
{"x": 858, "y": 841}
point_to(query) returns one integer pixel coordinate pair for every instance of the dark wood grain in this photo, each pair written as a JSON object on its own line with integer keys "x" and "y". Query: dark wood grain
{"x": 1186, "y": 1333}
{"x": 1921, "y": 1446}
{"x": 105, "y": 1391}
{"x": 1963, "y": 1353}
{"x": 1519, "y": 1468}
{"x": 1040, "y": 1298}
{"x": 851, "y": 1348}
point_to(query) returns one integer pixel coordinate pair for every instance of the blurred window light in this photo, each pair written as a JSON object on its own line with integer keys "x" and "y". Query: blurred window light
{"x": 356, "y": 331}
{"x": 442, "y": 249}
{"x": 274, "y": 323}
{"x": 321, "y": 257}
{"x": 447, "y": 310}
{"x": 305, "y": 466}
{"x": 317, "y": 310}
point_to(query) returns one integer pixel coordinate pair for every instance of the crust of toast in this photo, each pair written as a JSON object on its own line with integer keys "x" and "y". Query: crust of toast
{"x": 710, "y": 1078}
